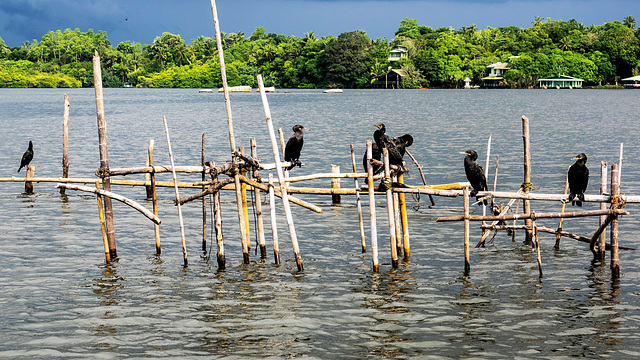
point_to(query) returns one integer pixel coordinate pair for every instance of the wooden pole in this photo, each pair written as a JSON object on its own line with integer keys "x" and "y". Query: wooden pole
{"x": 390, "y": 212}
{"x": 154, "y": 196}
{"x": 245, "y": 205}
{"x": 107, "y": 256}
{"x": 258, "y": 204}
{"x": 405, "y": 221}
{"x": 556, "y": 215}
{"x": 65, "y": 140}
{"x": 175, "y": 181}
{"x": 244, "y": 235}
{"x": 283, "y": 187}
{"x": 104, "y": 155}
{"x": 615, "y": 191}
{"x": 217, "y": 214}
{"x": 281, "y": 137}
{"x": 564, "y": 204}
{"x": 527, "y": 174}
{"x": 537, "y": 245}
{"x": 358, "y": 202}
{"x": 274, "y": 224}
{"x": 372, "y": 209}
{"x": 467, "y": 263}
{"x": 602, "y": 240}
{"x": 28, "y": 183}
{"x": 484, "y": 207}
{"x": 419, "y": 166}
{"x": 396, "y": 217}
{"x": 204, "y": 199}
{"x": 335, "y": 184}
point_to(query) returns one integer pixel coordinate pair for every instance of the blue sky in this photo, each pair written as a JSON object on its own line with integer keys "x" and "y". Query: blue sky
{"x": 142, "y": 20}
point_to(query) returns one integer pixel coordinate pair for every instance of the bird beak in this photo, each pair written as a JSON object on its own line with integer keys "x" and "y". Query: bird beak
{"x": 463, "y": 153}
{"x": 575, "y": 158}
{"x": 379, "y": 126}
{"x": 304, "y": 128}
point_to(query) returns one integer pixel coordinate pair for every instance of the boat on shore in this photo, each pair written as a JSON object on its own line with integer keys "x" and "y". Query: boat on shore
{"x": 333, "y": 91}
{"x": 237, "y": 89}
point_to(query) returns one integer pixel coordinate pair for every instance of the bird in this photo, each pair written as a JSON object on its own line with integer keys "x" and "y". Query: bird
{"x": 395, "y": 146}
{"x": 294, "y": 146}
{"x": 376, "y": 149}
{"x": 27, "y": 156}
{"x": 475, "y": 174}
{"x": 402, "y": 142}
{"x": 578, "y": 178}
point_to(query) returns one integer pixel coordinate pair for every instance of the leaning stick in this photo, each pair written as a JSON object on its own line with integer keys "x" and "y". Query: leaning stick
{"x": 484, "y": 207}
{"x": 107, "y": 256}
{"x": 274, "y": 224}
{"x": 603, "y": 189}
{"x": 467, "y": 263}
{"x": 419, "y": 166}
{"x": 114, "y": 196}
{"x": 154, "y": 197}
{"x": 390, "y": 212}
{"x": 358, "y": 203}
{"x": 537, "y": 243}
{"x": 232, "y": 139}
{"x": 258, "y": 204}
{"x": 278, "y": 193}
{"x": 536, "y": 216}
{"x": 283, "y": 187}
{"x": 175, "y": 181}
{"x": 495, "y": 222}
{"x": 372, "y": 209}
{"x": 564, "y": 204}
{"x": 65, "y": 140}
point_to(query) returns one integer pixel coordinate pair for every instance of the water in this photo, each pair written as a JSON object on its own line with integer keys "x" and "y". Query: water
{"x": 60, "y": 300}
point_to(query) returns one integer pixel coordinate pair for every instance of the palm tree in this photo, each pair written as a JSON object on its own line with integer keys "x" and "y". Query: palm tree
{"x": 630, "y": 22}
{"x": 537, "y": 21}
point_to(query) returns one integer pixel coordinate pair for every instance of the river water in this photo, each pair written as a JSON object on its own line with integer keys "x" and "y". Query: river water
{"x": 60, "y": 300}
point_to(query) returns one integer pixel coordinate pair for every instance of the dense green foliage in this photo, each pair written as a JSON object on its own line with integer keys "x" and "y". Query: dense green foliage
{"x": 444, "y": 57}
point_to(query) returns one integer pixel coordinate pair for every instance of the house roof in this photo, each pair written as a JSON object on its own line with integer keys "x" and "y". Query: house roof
{"x": 499, "y": 65}
{"x": 561, "y": 77}
{"x": 633, "y": 78}
{"x": 399, "y": 49}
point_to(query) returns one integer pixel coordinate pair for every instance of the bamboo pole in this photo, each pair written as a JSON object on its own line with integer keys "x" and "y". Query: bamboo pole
{"x": 396, "y": 218}
{"x": 147, "y": 176}
{"x": 279, "y": 194}
{"x": 390, "y": 212}
{"x": 154, "y": 197}
{"x": 504, "y": 210}
{"x": 245, "y": 205}
{"x": 28, "y": 182}
{"x": 104, "y": 155}
{"x": 107, "y": 256}
{"x": 232, "y": 139}
{"x": 405, "y": 221}
{"x": 283, "y": 187}
{"x": 484, "y": 207}
{"x": 603, "y": 189}
{"x": 274, "y": 224}
{"x": 536, "y": 216}
{"x": 620, "y": 162}
{"x": 562, "y": 208}
{"x": 419, "y": 166}
{"x": 335, "y": 184}
{"x": 111, "y": 195}
{"x": 65, "y": 140}
{"x": 204, "y": 199}
{"x": 358, "y": 202}
{"x": 372, "y": 209}
{"x": 467, "y": 263}
{"x": 217, "y": 214}
{"x": 258, "y": 204}
{"x": 175, "y": 181}
{"x": 527, "y": 173}
{"x": 281, "y": 137}
{"x": 537, "y": 244}
{"x": 615, "y": 191}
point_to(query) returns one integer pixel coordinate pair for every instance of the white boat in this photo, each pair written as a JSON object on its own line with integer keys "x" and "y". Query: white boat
{"x": 333, "y": 91}
{"x": 206, "y": 90}
{"x": 268, "y": 89}
{"x": 237, "y": 89}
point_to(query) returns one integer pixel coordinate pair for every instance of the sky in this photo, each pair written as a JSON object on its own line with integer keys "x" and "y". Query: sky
{"x": 142, "y": 20}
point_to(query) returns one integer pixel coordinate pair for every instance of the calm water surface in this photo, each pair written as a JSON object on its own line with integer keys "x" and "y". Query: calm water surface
{"x": 60, "y": 300}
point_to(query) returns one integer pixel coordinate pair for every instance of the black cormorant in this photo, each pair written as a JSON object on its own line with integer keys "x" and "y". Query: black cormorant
{"x": 578, "y": 179}
{"x": 475, "y": 174}
{"x": 27, "y": 156}
{"x": 403, "y": 142}
{"x": 294, "y": 146}
{"x": 376, "y": 149}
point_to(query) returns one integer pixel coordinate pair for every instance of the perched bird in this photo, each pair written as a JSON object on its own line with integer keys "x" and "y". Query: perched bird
{"x": 475, "y": 174}
{"x": 27, "y": 156}
{"x": 578, "y": 177}
{"x": 376, "y": 149}
{"x": 294, "y": 146}
{"x": 402, "y": 142}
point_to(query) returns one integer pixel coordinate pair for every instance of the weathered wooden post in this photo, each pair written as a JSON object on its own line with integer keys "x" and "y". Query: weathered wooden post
{"x": 65, "y": 140}
{"x": 390, "y": 212}
{"x": 204, "y": 198}
{"x": 602, "y": 240}
{"x": 154, "y": 197}
{"x": 107, "y": 256}
{"x": 274, "y": 224}
{"x": 258, "y": 204}
{"x": 244, "y": 235}
{"x": 358, "y": 202}
{"x": 467, "y": 263}
{"x": 372, "y": 208}
{"x": 527, "y": 175}
{"x": 217, "y": 214}
{"x": 335, "y": 184}
{"x": 28, "y": 184}
{"x": 245, "y": 205}
{"x": 560, "y": 222}
{"x": 281, "y": 137}
{"x": 405, "y": 221}
{"x": 103, "y": 171}
{"x": 537, "y": 245}
{"x": 615, "y": 193}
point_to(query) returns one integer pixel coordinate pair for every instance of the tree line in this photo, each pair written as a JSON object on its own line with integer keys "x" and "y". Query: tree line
{"x": 443, "y": 57}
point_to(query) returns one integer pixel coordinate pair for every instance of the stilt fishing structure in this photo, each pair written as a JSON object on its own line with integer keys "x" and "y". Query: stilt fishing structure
{"x": 243, "y": 175}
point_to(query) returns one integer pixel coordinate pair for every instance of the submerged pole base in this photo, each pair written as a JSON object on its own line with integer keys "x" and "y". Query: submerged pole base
{"x": 222, "y": 262}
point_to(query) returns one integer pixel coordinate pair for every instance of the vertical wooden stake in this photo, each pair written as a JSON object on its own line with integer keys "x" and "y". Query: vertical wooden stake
{"x": 65, "y": 141}
{"x": 467, "y": 263}
{"x": 103, "y": 225}
{"x": 104, "y": 155}
{"x": 615, "y": 192}
{"x": 244, "y": 235}
{"x": 260, "y": 229}
{"x": 484, "y": 207}
{"x": 390, "y": 212}
{"x": 405, "y": 221}
{"x": 217, "y": 214}
{"x": 204, "y": 199}
{"x": 358, "y": 202}
{"x": 602, "y": 240}
{"x": 372, "y": 209}
{"x": 274, "y": 225}
{"x": 561, "y": 221}
{"x": 537, "y": 245}
{"x": 175, "y": 185}
{"x": 396, "y": 217}
{"x": 527, "y": 175}
{"x": 281, "y": 136}
{"x": 283, "y": 186}
{"x": 154, "y": 197}
{"x": 245, "y": 206}
{"x": 28, "y": 184}
{"x": 335, "y": 184}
